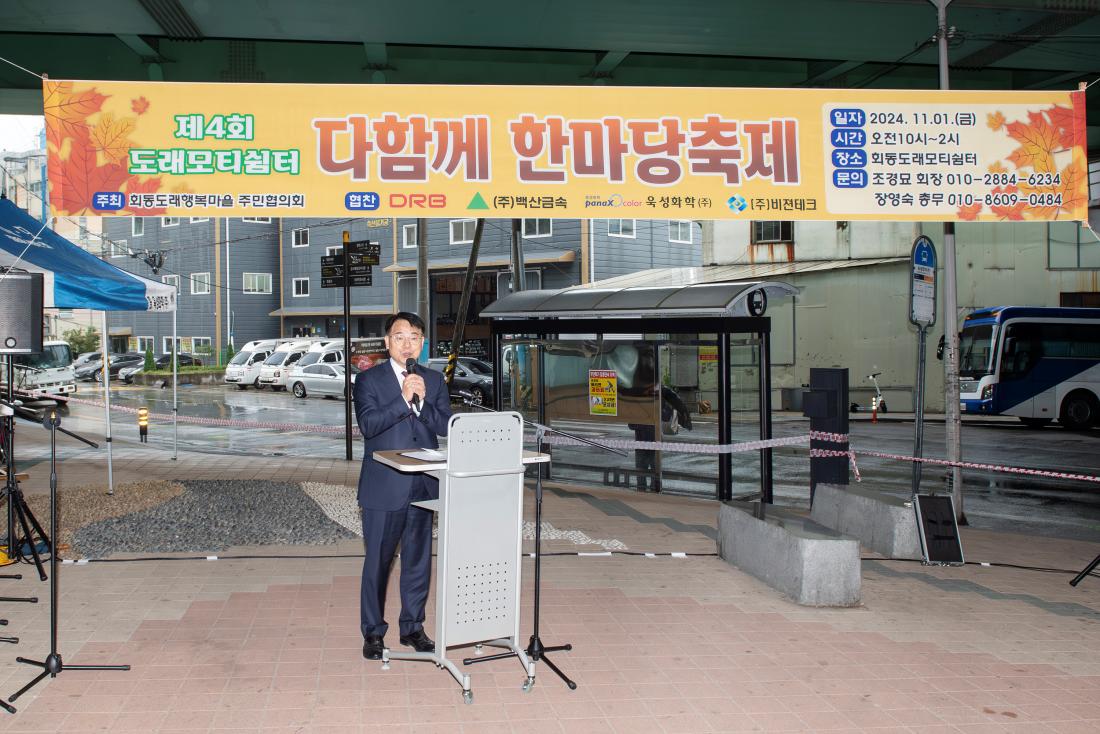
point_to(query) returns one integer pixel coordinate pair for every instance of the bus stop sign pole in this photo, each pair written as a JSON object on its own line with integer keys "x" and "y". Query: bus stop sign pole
{"x": 922, "y": 313}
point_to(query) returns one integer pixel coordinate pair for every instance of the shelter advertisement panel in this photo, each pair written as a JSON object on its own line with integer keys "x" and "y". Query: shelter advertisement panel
{"x": 162, "y": 148}
{"x": 603, "y": 392}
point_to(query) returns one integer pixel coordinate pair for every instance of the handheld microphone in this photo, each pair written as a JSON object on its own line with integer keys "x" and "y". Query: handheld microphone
{"x": 410, "y": 367}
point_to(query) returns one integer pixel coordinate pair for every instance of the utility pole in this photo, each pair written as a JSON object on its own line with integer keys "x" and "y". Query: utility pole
{"x": 519, "y": 272}
{"x": 953, "y": 422}
{"x": 423, "y": 276}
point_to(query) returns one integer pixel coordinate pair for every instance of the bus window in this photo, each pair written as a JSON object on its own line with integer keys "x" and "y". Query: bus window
{"x": 1023, "y": 346}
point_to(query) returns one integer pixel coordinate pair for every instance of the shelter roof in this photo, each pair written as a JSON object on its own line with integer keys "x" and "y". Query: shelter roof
{"x": 695, "y": 300}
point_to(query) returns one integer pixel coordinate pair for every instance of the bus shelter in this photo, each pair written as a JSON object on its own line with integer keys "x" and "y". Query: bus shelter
{"x": 645, "y": 364}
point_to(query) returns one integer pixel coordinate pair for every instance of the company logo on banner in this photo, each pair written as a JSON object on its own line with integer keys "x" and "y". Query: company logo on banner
{"x": 157, "y": 148}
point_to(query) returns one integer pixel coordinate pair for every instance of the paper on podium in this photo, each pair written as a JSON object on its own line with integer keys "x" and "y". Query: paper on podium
{"x": 425, "y": 455}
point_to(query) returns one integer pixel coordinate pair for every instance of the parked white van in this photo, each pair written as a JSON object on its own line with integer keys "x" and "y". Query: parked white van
{"x": 277, "y": 367}
{"x": 244, "y": 369}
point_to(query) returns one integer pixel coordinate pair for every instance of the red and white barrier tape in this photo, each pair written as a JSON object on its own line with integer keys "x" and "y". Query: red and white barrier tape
{"x": 693, "y": 448}
{"x": 987, "y": 467}
{"x": 221, "y": 422}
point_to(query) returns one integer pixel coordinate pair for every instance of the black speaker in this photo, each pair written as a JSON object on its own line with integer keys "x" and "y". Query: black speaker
{"x": 20, "y": 313}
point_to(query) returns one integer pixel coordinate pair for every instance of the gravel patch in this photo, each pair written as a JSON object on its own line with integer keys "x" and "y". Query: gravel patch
{"x": 339, "y": 503}
{"x": 212, "y": 516}
{"x": 82, "y": 506}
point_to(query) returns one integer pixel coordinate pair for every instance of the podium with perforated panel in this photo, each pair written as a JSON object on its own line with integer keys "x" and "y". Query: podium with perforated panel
{"x": 479, "y": 546}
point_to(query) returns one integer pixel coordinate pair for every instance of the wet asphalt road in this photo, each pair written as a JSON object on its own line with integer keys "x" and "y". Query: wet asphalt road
{"x": 992, "y": 500}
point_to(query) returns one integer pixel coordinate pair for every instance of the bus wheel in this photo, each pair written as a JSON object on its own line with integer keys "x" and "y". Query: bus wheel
{"x": 1036, "y": 422}
{"x": 1079, "y": 410}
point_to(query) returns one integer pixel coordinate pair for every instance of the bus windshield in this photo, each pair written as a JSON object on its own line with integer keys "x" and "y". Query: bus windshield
{"x": 976, "y": 350}
{"x": 51, "y": 357}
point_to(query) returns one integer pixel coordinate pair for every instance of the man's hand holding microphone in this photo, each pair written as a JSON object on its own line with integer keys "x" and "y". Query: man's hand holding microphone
{"x": 413, "y": 388}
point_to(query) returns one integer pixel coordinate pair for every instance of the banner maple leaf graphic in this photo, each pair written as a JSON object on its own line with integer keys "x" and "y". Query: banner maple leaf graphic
{"x": 88, "y": 148}
{"x": 1042, "y": 136}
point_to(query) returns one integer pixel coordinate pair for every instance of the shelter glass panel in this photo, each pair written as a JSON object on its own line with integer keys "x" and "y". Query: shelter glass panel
{"x": 627, "y": 388}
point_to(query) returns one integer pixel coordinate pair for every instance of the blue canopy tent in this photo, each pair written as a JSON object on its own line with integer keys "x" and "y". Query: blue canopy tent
{"x": 74, "y": 278}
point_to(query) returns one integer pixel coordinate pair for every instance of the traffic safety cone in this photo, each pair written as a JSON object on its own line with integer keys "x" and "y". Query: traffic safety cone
{"x": 874, "y": 411}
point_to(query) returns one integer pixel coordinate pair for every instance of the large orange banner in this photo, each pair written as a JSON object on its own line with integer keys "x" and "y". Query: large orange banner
{"x": 159, "y": 148}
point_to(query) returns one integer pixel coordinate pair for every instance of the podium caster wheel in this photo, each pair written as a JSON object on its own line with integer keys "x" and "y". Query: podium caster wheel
{"x": 478, "y": 650}
{"x": 386, "y": 665}
{"x": 467, "y": 697}
{"x": 528, "y": 684}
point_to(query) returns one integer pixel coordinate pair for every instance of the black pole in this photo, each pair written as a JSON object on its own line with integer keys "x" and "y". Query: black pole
{"x": 765, "y": 417}
{"x": 9, "y": 455}
{"x": 725, "y": 432}
{"x": 918, "y": 440}
{"x": 347, "y": 347}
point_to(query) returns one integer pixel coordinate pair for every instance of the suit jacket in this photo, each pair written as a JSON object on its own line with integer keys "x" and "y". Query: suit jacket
{"x": 387, "y": 422}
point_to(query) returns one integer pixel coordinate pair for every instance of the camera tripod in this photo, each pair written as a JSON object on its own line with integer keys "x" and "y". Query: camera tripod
{"x": 18, "y": 511}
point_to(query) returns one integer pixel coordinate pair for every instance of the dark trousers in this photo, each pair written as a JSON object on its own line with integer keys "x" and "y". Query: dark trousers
{"x": 382, "y": 530}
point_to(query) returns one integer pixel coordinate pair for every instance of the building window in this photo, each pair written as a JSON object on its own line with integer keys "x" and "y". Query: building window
{"x": 408, "y": 235}
{"x": 201, "y": 345}
{"x": 537, "y": 228}
{"x": 620, "y": 227}
{"x": 200, "y": 284}
{"x": 199, "y": 219}
{"x": 765, "y": 233}
{"x": 257, "y": 282}
{"x": 172, "y": 280}
{"x": 299, "y": 238}
{"x": 137, "y": 226}
{"x": 1070, "y": 246}
{"x": 301, "y": 287}
{"x": 679, "y": 230}
{"x": 462, "y": 231}
{"x": 146, "y": 344}
{"x": 166, "y": 341}
{"x": 333, "y": 250}
{"x": 257, "y": 220}
{"x": 119, "y": 248}
{"x": 169, "y": 221}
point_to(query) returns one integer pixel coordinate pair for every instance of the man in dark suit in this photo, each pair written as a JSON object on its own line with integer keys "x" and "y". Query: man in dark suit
{"x": 397, "y": 410}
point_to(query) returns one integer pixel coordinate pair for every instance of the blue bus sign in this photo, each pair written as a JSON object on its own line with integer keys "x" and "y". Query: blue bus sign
{"x": 922, "y": 283}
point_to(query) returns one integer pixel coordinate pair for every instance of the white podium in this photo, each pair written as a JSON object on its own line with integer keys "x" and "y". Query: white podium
{"x": 479, "y": 547}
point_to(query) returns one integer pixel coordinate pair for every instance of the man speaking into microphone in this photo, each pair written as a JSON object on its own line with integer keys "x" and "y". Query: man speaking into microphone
{"x": 398, "y": 406}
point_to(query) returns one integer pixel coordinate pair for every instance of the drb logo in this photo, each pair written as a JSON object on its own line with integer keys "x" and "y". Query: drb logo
{"x": 418, "y": 201}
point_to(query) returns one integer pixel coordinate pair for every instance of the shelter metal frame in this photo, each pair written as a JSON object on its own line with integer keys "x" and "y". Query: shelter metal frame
{"x": 723, "y": 326}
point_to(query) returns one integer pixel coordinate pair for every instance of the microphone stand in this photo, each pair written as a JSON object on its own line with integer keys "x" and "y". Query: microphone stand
{"x": 53, "y": 665}
{"x": 536, "y": 650}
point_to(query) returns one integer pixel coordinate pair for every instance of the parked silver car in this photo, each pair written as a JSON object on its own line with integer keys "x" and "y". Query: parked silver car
{"x": 320, "y": 379}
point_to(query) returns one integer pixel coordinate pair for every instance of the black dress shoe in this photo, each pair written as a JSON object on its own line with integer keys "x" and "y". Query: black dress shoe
{"x": 372, "y": 647}
{"x": 418, "y": 641}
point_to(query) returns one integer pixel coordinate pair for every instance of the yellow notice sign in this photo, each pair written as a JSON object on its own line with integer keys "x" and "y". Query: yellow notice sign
{"x": 603, "y": 392}
{"x": 384, "y": 151}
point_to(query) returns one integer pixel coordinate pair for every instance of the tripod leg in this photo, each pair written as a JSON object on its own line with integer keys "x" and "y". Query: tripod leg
{"x": 556, "y": 669}
{"x": 30, "y": 541}
{"x": 30, "y": 685}
{"x": 22, "y": 506}
{"x": 1088, "y": 569}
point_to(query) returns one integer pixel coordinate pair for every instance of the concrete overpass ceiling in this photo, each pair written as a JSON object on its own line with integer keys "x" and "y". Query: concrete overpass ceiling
{"x": 1011, "y": 44}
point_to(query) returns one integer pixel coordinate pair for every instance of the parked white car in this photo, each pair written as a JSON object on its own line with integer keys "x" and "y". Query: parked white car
{"x": 320, "y": 378}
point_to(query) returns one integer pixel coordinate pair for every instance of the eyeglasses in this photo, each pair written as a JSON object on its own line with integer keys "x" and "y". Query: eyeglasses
{"x": 404, "y": 339}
